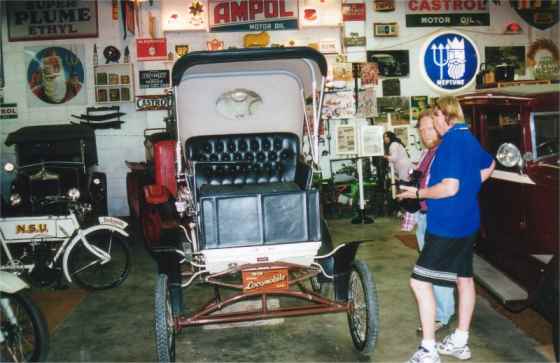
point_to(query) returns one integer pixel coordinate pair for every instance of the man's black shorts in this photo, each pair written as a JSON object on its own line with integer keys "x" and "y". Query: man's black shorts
{"x": 444, "y": 259}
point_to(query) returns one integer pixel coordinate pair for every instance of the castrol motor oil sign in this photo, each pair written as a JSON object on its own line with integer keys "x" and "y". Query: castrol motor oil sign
{"x": 252, "y": 15}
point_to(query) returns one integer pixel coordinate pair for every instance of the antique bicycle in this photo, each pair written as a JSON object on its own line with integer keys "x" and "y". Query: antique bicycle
{"x": 45, "y": 248}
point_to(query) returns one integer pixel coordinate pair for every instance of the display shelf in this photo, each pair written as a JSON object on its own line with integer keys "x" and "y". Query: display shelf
{"x": 114, "y": 83}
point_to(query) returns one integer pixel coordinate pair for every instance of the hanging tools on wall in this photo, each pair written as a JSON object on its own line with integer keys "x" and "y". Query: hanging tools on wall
{"x": 107, "y": 117}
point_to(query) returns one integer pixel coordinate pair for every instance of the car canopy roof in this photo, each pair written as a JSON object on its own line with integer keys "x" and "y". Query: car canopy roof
{"x": 49, "y": 133}
{"x": 27, "y": 139}
{"x": 277, "y": 82}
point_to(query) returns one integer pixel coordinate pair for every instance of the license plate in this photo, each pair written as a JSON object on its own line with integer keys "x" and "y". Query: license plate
{"x": 263, "y": 280}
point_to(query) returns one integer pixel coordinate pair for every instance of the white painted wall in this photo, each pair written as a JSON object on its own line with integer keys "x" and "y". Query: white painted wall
{"x": 115, "y": 146}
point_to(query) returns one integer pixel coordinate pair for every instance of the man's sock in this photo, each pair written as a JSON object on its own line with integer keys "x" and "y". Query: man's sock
{"x": 430, "y": 345}
{"x": 460, "y": 337}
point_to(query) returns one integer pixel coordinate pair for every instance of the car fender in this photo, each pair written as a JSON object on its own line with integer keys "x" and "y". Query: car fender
{"x": 10, "y": 283}
{"x": 77, "y": 238}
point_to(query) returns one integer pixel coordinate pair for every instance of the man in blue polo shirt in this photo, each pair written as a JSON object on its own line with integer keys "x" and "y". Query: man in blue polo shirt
{"x": 457, "y": 172}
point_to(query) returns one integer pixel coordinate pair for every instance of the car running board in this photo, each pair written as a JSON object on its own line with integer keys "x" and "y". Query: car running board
{"x": 497, "y": 283}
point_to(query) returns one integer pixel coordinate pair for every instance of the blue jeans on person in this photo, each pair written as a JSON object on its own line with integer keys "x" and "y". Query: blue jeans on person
{"x": 444, "y": 295}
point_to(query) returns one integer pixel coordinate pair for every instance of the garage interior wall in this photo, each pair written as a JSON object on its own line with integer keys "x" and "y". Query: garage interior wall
{"x": 117, "y": 145}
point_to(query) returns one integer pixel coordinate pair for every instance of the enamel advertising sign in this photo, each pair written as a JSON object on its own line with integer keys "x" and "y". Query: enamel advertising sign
{"x": 151, "y": 49}
{"x": 447, "y": 13}
{"x": 254, "y": 15}
{"x": 152, "y": 103}
{"x": 449, "y": 62}
{"x": 41, "y": 20}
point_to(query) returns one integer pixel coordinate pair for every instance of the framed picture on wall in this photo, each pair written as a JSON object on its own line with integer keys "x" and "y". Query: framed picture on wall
{"x": 101, "y": 78}
{"x": 402, "y": 133}
{"x": 101, "y": 95}
{"x": 395, "y": 108}
{"x": 114, "y": 95}
{"x": 125, "y": 94}
{"x": 386, "y": 29}
{"x": 391, "y": 87}
{"x": 391, "y": 63}
{"x": 371, "y": 140}
{"x": 512, "y": 56}
{"x": 345, "y": 139}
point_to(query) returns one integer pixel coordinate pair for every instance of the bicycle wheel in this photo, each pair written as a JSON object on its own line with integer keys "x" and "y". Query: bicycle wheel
{"x": 363, "y": 315}
{"x": 28, "y": 340}
{"x": 91, "y": 272}
{"x": 164, "y": 324}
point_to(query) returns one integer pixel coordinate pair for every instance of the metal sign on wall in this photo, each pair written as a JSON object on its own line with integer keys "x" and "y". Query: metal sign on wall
{"x": 148, "y": 49}
{"x": 235, "y": 15}
{"x": 8, "y": 110}
{"x": 154, "y": 79}
{"x": 152, "y": 103}
{"x": 40, "y": 20}
{"x": 449, "y": 61}
{"x": 437, "y": 13}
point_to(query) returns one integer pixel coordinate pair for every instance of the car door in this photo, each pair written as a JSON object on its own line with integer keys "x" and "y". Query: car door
{"x": 504, "y": 197}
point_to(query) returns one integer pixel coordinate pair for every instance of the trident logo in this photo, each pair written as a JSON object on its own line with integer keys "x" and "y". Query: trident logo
{"x": 440, "y": 58}
{"x": 452, "y": 55}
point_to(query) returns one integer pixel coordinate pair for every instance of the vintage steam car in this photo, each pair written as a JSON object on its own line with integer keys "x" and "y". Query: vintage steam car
{"x": 55, "y": 164}
{"x": 225, "y": 197}
{"x": 517, "y": 258}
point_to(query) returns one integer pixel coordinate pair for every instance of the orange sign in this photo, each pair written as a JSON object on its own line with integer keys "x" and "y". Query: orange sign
{"x": 264, "y": 280}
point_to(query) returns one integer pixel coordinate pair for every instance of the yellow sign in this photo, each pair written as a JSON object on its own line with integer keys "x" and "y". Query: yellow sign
{"x": 31, "y": 228}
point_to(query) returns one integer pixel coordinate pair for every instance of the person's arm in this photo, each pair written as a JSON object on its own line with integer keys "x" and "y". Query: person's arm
{"x": 392, "y": 157}
{"x": 448, "y": 187}
{"x": 486, "y": 173}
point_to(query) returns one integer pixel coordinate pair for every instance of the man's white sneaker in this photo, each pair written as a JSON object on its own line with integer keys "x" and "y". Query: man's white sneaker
{"x": 448, "y": 347}
{"x": 423, "y": 355}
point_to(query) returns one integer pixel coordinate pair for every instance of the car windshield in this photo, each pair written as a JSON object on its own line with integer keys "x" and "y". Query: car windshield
{"x": 53, "y": 151}
{"x": 545, "y": 133}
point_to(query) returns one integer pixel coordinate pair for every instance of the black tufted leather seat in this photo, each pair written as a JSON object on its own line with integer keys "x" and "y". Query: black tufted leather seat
{"x": 244, "y": 159}
{"x": 250, "y": 190}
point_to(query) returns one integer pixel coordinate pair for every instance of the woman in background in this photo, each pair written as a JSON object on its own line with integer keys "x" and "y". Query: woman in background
{"x": 397, "y": 155}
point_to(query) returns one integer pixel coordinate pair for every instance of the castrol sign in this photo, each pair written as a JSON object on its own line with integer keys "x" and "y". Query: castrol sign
{"x": 252, "y": 15}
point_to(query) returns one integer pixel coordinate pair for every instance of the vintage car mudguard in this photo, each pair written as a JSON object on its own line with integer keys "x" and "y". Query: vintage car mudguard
{"x": 343, "y": 258}
{"x": 76, "y": 239}
{"x": 10, "y": 283}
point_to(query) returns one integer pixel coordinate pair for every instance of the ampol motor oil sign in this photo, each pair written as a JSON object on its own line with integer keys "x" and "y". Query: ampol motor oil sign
{"x": 449, "y": 62}
{"x": 252, "y": 15}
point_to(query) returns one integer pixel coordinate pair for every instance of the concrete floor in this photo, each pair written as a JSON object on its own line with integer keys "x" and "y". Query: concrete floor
{"x": 117, "y": 325}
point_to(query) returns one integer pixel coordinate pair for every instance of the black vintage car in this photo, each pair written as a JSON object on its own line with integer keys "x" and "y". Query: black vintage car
{"x": 56, "y": 164}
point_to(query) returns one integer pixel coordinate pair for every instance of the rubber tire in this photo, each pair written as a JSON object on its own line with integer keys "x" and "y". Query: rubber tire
{"x": 38, "y": 322}
{"x": 365, "y": 279}
{"x": 164, "y": 335}
{"x": 79, "y": 248}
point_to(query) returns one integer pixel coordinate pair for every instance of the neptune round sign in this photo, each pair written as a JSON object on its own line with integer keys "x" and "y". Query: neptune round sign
{"x": 450, "y": 61}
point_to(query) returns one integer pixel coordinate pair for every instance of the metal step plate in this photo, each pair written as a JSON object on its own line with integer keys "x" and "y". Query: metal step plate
{"x": 496, "y": 282}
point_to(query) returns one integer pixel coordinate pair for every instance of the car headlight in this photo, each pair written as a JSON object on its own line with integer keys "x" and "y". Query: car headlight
{"x": 9, "y": 167}
{"x": 73, "y": 194}
{"x": 15, "y": 199}
{"x": 96, "y": 181}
